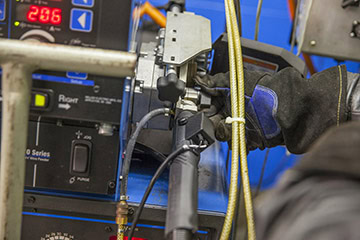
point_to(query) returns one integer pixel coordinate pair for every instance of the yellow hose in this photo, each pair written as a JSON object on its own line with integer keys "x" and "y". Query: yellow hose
{"x": 241, "y": 105}
{"x": 225, "y": 233}
{"x": 237, "y": 101}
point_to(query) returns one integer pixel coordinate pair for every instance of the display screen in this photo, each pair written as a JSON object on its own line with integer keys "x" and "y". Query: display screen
{"x": 43, "y": 14}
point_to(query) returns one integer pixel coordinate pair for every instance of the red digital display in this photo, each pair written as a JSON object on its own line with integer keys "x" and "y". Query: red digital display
{"x": 44, "y": 15}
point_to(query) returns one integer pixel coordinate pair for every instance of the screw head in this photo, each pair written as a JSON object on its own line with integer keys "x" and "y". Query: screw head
{"x": 96, "y": 89}
{"x": 183, "y": 121}
{"x": 312, "y": 42}
{"x": 131, "y": 211}
{"x": 112, "y": 184}
{"x": 108, "y": 229}
{"x": 31, "y": 200}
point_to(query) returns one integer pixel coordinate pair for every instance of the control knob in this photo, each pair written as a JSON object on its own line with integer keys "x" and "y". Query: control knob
{"x": 37, "y": 35}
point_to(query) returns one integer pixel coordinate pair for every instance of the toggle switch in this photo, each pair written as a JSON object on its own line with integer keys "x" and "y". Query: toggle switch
{"x": 80, "y": 157}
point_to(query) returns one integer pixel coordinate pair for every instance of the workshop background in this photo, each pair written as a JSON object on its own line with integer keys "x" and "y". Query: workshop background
{"x": 275, "y": 29}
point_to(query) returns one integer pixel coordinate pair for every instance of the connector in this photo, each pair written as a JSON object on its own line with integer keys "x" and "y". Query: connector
{"x": 122, "y": 210}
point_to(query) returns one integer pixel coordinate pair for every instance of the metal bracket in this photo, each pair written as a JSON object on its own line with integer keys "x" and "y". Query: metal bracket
{"x": 187, "y": 36}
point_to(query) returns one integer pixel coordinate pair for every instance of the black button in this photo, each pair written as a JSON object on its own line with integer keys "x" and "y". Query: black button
{"x": 80, "y": 157}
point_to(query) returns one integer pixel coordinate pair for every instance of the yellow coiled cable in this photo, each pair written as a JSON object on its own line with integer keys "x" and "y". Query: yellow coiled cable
{"x": 237, "y": 101}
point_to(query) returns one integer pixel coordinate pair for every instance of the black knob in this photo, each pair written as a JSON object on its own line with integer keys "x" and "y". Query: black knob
{"x": 170, "y": 88}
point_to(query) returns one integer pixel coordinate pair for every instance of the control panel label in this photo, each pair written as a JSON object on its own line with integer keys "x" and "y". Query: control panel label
{"x": 78, "y": 179}
{"x": 65, "y": 99}
{"x": 102, "y": 100}
{"x": 37, "y": 155}
{"x": 63, "y": 80}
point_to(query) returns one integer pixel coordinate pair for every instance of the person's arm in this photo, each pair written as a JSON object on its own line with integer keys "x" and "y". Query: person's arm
{"x": 320, "y": 195}
{"x": 284, "y": 108}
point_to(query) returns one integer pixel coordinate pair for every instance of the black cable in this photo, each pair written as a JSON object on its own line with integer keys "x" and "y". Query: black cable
{"x": 131, "y": 144}
{"x": 262, "y": 173}
{"x": 157, "y": 174}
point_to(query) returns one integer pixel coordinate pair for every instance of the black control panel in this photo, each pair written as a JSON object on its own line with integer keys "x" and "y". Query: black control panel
{"x": 71, "y": 158}
{"x": 73, "y": 140}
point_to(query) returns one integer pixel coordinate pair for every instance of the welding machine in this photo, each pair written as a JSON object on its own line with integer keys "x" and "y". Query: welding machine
{"x": 79, "y": 124}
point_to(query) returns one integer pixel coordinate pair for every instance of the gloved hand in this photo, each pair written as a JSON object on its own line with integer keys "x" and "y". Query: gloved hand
{"x": 218, "y": 87}
{"x": 282, "y": 108}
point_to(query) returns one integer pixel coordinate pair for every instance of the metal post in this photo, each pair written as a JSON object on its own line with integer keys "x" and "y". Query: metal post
{"x": 16, "y": 85}
{"x": 18, "y": 60}
{"x": 68, "y": 58}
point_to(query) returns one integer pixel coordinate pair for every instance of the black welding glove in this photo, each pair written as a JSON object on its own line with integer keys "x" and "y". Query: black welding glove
{"x": 283, "y": 108}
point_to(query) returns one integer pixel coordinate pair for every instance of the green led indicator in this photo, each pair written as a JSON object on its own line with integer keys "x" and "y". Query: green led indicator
{"x": 16, "y": 23}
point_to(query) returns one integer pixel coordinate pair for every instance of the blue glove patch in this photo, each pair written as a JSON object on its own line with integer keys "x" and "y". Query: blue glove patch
{"x": 262, "y": 106}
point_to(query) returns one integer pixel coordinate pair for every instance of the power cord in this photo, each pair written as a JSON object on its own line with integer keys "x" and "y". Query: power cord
{"x": 157, "y": 174}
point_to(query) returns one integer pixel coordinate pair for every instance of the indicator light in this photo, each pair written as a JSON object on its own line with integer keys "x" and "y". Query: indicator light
{"x": 40, "y": 100}
{"x": 16, "y": 24}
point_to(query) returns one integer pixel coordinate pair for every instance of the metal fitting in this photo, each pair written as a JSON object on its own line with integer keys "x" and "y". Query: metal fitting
{"x": 186, "y": 105}
{"x": 122, "y": 210}
{"x": 192, "y": 95}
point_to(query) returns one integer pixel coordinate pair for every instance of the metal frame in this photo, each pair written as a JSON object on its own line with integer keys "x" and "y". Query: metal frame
{"x": 18, "y": 60}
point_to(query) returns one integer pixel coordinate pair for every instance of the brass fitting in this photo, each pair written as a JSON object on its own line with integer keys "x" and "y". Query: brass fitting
{"x": 122, "y": 210}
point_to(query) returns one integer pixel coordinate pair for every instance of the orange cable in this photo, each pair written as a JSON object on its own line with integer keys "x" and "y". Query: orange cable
{"x": 152, "y": 12}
